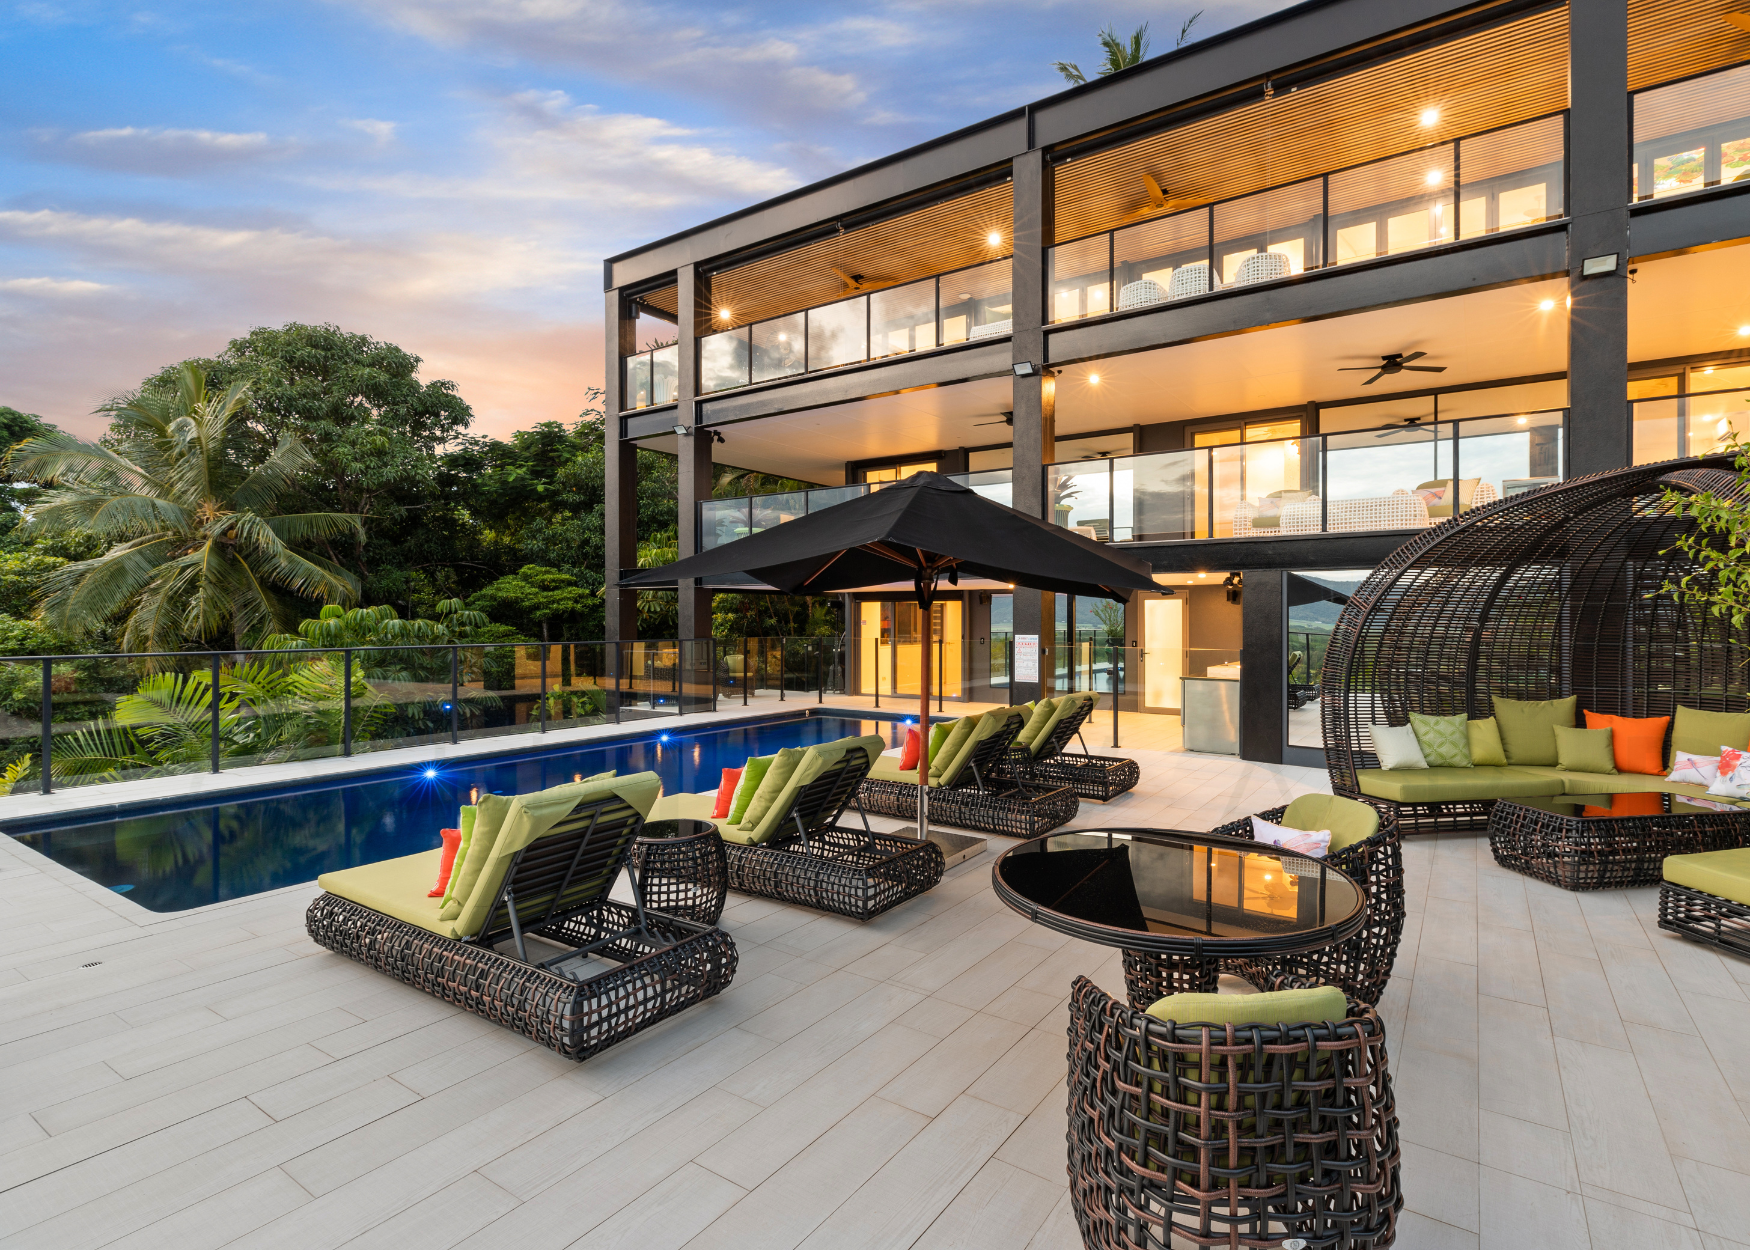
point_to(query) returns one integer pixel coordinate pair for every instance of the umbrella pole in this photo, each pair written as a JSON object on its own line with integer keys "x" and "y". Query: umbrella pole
{"x": 924, "y": 729}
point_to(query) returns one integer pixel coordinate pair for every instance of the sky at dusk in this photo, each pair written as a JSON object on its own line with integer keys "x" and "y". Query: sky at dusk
{"x": 444, "y": 174}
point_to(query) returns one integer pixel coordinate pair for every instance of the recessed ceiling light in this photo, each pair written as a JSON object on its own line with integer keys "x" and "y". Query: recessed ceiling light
{"x": 1434, "y": 177}
{"x": 1094, "y": 378}
{"x": 1744, "y": 332}
{"x": 1709, "y": 369}
{"x": 1547, "y": 304}
{"x": 1522, "y": 420}
{"x": 723, "y": 314}
{"x": 1430, "y": 116}
{"x": 993, "y": 238}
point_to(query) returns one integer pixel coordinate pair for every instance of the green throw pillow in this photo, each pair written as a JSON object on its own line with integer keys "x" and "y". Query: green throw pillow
{"x": 1486, "y": 750}
{"x": 772, "y": 785}
{"x": 1528, "y": 727}
{"x": 752, "y": 773}
{"x": 1585, "y": 750}
{"x": 1703, "y": 733}
{"x": 1444, "y": 740}
{"x": 939, "y": 735}
{"x": 1324, "y": 1002}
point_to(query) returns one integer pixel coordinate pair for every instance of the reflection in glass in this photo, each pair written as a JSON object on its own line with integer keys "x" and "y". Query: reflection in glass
{"x": 777, "y": 347}
{"x": 723, "y": 360}
{"x": 902, "y": 319}
{"x": 1512, "y": 177}
{"x": 977, "y": 302}
{"x": 1391, "y": 206}
{"x": 665, "y": 374}
{"x": 837, "y": 334}
{"x": 1694, "y": 134}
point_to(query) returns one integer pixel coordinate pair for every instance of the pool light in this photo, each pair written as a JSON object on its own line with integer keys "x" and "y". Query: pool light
{"x": 430, "y": 774}
{"x": 662, "y": 737}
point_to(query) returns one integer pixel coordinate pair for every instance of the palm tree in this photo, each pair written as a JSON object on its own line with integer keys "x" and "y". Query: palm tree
{"x": 197, "y": 550}
{"x": 1122, "y": 54}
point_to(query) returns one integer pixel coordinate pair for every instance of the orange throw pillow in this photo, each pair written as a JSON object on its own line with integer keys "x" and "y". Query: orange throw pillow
{"x": 452, "y": 843}
{"x": 726, "y": 792}
{"x": 908, "y": 757}
{"x": 1639, "y": 741}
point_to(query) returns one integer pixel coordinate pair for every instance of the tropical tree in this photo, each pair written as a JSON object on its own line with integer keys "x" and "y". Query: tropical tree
{"x": 199, "y": 549}
{"x": 1718, "y": 541}
{"x": 1120, "y": 54}
{"x": 533, "y": 596}
{"x": 391, "y": 649}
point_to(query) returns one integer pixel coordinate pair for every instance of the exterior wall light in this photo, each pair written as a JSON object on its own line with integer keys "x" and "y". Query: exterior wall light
{"x": 1593, "y": 266}
{"x": 1026, "y": 369}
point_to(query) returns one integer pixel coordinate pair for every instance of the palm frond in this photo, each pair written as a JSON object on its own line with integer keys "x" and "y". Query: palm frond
{"x": 277, "y": 474}
{"x": 76, "y": 597}
{"x": 302, "y": 527}
{"x": 1071, "y": 71}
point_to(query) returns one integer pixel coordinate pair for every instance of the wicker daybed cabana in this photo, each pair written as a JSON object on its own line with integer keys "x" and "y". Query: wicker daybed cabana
{"x": 1542, "y": 596}
{"x": 542, "y": 867}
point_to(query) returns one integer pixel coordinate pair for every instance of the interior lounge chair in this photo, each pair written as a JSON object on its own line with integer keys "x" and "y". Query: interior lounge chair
{"x": 1049, "y": 762}
{"x": 797, "y": 852}
{"x": 969, "y": 787}
{"x": 586, "y": 972}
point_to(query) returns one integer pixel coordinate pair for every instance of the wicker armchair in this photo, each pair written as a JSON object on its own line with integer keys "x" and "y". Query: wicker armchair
{"x": 1229, "y": 1135}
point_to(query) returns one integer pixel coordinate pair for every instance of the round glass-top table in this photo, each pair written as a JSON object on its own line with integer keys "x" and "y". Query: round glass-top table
{"x": 1178, "y": 903}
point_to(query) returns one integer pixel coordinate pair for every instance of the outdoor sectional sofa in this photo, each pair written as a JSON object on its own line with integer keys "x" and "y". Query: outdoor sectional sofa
{"x": 539, "y": 866}
{"x": 796, "y": 852}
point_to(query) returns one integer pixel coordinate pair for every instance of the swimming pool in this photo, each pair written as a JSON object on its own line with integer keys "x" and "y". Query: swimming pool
{"x": 176, "y": 855}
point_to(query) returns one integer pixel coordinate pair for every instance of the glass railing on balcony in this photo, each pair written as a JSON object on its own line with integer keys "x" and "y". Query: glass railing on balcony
{"x": 950, "y": 308}
{"x": 1693, "y": 134}
{"x": 652, "y": 377}
{"x": 725, "y": 520}
{"x": 1461, "y": 189}
{"x": 1401, "y": 477}
{"x": 1689, "y": 425}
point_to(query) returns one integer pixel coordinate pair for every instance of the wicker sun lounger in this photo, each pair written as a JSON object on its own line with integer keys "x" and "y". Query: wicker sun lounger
{"x": 799, "y": 853}
{"x": 974, "y": 790}
{"x": 543, "y": 883}
{"x": 1050, "y": 762}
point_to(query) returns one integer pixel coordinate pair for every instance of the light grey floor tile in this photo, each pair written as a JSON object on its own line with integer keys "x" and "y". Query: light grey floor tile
{"x": 1619, "y": 1228}
{"x": 667, "y": 1217}
{"x": 1534, "y": 1151}
{"x": 1719, "y": 1198}
{"x": 1002, "y": 1207}
{"x": 1617, "y": 1142}
{"x": 1523, "y": 1214}
{"x": 1441, "y": 1186}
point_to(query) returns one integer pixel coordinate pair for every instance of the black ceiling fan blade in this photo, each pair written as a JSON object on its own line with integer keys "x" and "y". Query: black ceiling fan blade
{"x": 1425, "y": 368}
{"x": 1356, "y": 368}
{"x": 1404, "y": 360}
{"x": 1376, "y": 377}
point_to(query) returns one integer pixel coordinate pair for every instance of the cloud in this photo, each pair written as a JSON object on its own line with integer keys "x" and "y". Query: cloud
{"x": 52, "y": 286}
{"x": 383, "y": 132}
{"x": 162, "y": 151}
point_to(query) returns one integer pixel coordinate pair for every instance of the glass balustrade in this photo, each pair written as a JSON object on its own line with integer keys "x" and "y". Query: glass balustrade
{"x": 957, "y": 307}
{"x": 653, "y": 377}
{"x": 1461, "y": 189}
{"x": 725, "y": 520}
{"x": 1401, "y": 477}
{"x": 1689, "y": 425}
{"x": 1691, "y": 135}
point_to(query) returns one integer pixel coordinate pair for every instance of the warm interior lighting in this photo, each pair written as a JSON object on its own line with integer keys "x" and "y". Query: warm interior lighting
{"x": 1709, "y": 369}
{"x": 723, "y": 314}
{"x": 1722, "y": 427}
{"x": 1094, "y": 379}
{"x": 993, "y": 238}
{"x": 1522, "y": 420}
{"x": 783, "y": 338}
{"x": 1547, "y": 305}
{"x": 1744, "y": 332}
{"x": 1434, "y": 176}
{"x": 1430, "y": 116}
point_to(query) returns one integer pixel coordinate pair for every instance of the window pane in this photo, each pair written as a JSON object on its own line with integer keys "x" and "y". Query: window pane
{"x": 777, "y": 347}
{"x": 1406, "y": 200}
{"x": 1648, "y": 388}
{"x": 773, "y": 510}
{"x": 1078, "y": 270}
{"x": 723, "y": 360}
{"x": 722, "y": 521}
{"x": 836, "y": 332}
{"x": 1717, "y": 378}
{"x": 1286, "y": 221}
{"x": 1713, "y": 419}
{"x": 1394, "y": 479}
{"x": 1155, "y": 250}
{"x": 903, "y": 319}
{"x": 1264, "y": 431}
{"x": 1510, "y": 454}
{"x": 1512, "y": 177}
{"x": 977, "y": 303}
{"x": 1216, "y": 438}
{"x": 1656, "y": 430}
{"x": 1692, "y": 134}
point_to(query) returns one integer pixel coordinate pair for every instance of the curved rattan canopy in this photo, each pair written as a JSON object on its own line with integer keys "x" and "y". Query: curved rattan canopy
{"x": 1538, "y": 596}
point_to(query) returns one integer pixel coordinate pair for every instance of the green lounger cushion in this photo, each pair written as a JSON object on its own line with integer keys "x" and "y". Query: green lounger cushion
{"x": 1725, "y": 873}
{"x": 1349, "y": 822}
{"x": 1066, "y": 706}
{"x": 752, "y": 773}
{"x": 809, "y": 765}
{"x": 1321, "y": 1003}
{"x": 1704, "y": 733}
{"x": 1528, "y": 727}
{"x": 1038, "y": 716}
{"x": 392, "y": 886}
{"x": 1454, "y": 785}
{"x": 958, "y": 732}
{"x": 771, "y": 786}
{"x": 939, "y": 735}
{"x": 1485, "y": 743}
{"x": 989, "y": 724}
{"x": 1585, "y": 750}
{"x": 684, "y": 806}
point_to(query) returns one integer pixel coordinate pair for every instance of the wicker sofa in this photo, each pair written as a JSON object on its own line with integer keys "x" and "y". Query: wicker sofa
{"x": 540, "y": 866}
{"x": 1706, "y": 898}
{"x": 1188, "y": 1132}
{"x": 1547, "y": 594}
{"x": 799, "y": 853}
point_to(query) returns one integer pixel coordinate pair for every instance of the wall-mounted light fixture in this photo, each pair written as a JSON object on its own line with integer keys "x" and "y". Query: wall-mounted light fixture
{"x": 1026, "y": 369}
{"x": 1595, "y": 266}
{"x": 686, "y": 431}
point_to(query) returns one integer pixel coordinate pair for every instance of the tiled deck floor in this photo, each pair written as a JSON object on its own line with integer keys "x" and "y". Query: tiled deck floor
{"x": 1568, "y": 1076}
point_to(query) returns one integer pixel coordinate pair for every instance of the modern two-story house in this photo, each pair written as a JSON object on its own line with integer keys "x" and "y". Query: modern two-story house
{"x": 1255, "y": 311}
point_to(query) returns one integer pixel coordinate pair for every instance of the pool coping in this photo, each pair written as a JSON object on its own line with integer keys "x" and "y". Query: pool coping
{"x": 22, "y": 814}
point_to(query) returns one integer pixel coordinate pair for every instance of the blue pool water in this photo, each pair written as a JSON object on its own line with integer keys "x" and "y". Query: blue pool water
{"x": 177, "y": 855}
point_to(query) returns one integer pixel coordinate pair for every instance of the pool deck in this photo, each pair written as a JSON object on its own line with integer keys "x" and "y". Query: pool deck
{"x": 1568, "y": 1076}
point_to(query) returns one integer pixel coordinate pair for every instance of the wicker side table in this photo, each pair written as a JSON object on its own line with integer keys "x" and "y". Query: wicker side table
{"x": 1556, "y": 842}
{"x": 682, "y": 866}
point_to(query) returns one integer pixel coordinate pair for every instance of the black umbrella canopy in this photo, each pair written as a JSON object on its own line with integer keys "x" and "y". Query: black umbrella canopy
{"x": 924, "y": 529}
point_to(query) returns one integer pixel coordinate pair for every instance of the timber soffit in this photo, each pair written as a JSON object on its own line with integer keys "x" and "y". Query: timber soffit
{"x": 1094, "y": 108}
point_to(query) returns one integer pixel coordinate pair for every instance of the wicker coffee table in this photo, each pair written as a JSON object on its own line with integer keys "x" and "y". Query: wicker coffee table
{"x": 1581, "y": 847}
{"x": 683, "y": 868}
{"x": 1178, "y": 903}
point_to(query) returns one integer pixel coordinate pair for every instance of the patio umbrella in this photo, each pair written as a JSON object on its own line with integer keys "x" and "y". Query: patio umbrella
{"x": 925, "y": 529}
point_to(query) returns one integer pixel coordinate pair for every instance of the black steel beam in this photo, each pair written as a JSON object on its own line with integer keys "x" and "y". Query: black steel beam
{"x": 620, "y": 468}
{"x": 938, "y": 368}
{"x": 647, "y": 422}
{"x": 1299, "y": 551}
{"x": 1691, "y": 222}
{"x": 1522, "y": 257}
{"x": 1263, "y": 665}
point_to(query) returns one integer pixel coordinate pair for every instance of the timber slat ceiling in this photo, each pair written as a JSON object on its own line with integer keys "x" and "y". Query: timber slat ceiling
{"x": 931, "y": 240}
{"x": 664, "y": 299}
{"x": 1477, "y": 81}
{"x": 1675, "y": 38}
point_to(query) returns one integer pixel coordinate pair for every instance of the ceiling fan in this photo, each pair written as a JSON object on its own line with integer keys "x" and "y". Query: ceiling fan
{"x": 1392, "y": 363}
{"x": 1007, "y": 418}
{"x": 1158, "y": 201}
{"x": 854, "y": 282}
